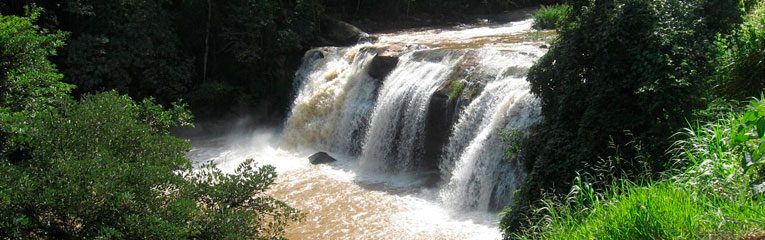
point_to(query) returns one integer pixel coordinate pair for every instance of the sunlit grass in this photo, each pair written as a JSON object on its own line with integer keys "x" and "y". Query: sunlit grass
{"x": 661, "y": 210}
{"x": 551, "y": 17}
{"x": 715, "y": 195}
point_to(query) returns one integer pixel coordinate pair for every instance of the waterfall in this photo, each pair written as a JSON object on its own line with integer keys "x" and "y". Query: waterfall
{"x": 395, "y": 135}
{"x": 474, "y": 157}
{"x": 441, "y": 107}
{"x": 334, "y": 99}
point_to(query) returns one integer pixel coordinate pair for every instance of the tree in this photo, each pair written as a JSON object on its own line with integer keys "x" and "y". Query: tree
{"x": 29, "y": 83}
{"x": 741, "y": 58}
{"x": 130, "y": 46}
{"x": 106, "y": 166}
{"x": 621, "y": 78}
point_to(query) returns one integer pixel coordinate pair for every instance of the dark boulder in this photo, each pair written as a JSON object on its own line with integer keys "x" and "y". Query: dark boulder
{"x": 381, "y": 66}
{"x": 341, "y": 33}
{"x": 321, "y": 157}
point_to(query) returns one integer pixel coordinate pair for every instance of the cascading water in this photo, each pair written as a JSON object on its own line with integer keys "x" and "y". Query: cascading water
{"x": 396, "y": 133}
{"x": 415, "y": 120}
{"x": 334, "y": 99}
{"x": 475, "y": 157}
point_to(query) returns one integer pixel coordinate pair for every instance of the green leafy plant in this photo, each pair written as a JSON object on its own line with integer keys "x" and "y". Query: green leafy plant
{"x": 106, "y": 166}
{"x": 455, "y": 89}
{"x": 725, "y": 157}
{"x": 618, "y": 65}
{"x": 660, "y": 210}
{"x": 551, "y": 17}
{"x": 514, "y": 139}
{"x": 741, "y": 58}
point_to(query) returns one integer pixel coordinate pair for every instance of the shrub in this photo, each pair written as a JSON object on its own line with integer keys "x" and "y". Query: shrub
{"x": 619, "y": 66}
{"x": 741, "y": 58}
{"x": 717, "y": 193}
{"x": 551, "y": 17}
{"x": 725, "y": 157}
{"x": 106, "y": 166}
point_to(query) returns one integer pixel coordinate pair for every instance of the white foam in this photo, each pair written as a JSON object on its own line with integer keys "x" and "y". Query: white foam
{"x": 358, "y": 206}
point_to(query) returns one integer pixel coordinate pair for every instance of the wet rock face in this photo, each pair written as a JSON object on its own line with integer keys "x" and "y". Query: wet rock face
{"x": 321, "y": 158}
{"x": 439, "y": 121}
{"x": 381, "y": 66}
{"x": 340, "y": 33}
{"x": 444, "y": 107}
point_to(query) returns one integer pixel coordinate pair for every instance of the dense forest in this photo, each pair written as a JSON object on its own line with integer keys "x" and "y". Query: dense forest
{"x": 653, "y": 114}
{"x": 220, "y": 57}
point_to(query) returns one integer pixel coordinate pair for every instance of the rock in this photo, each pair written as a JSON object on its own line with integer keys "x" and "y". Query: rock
{"x": 341, "y": 33}
{"x": 321, "y": 157}
{"x": 369, "y": 39}
{"x": 439, "y": 120}
{"x": 544, "y": 46}
{"x": 443, "y": 109}
{"x": 381, "y": 66}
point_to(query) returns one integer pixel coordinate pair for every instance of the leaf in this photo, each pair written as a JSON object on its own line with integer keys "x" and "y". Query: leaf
{"x": 758, "y": 153}
{"x": 749, "y": 117}
{"x": 739, "y": 138}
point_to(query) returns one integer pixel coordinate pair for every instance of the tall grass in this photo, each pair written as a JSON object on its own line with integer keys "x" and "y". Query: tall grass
{"x": 725, "y": 157}
{"x": 551, "y": 17}
{"x": 662, "y": 210}
{"x": 717, "y": 193}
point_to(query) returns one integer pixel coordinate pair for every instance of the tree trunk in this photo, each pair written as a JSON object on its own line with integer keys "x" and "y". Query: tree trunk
{"x": 207, "y": 41}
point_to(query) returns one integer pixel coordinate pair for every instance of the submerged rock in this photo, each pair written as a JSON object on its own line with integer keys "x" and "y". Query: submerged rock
{"x": 321, "y": 157}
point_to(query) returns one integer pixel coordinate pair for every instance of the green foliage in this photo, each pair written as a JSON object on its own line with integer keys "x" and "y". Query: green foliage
{"x": 235, "y": 204}
{"x": 456, "y": 88}
{"x": 255, "y": 47}
{"x": 619, "y": 66}
{"x": 129, "y": 46}
{"x": 29, "y": 83}
{"x": 103, "y": 168}
{"x": 725, "y": 157}
{"x": 106, "y": 166}
{"x": 551, "y": 17}
{"x": 657, "y": 211}
{"x": 716, "y": 194}
{"x": 514, "y": 139}
{"x": 172, "y": 50}
{"x": 741, "y": 58}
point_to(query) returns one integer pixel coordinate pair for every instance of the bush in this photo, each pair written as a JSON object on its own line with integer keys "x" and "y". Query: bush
{"x": 621, "y": 73}
{"x": 551, "y": 17}
{"x": 725, "y": 157}
{"x": 717, "y": 193}
{"x": 741, "y": 58}
{"x": 29, "y": 83}
{"x": 106, "y": 166}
